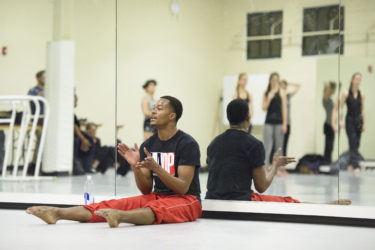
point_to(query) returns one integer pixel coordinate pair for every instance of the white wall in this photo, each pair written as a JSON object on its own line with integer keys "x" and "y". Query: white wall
{"x": 184, "y": 54}
{"x": 188, "y": 55}
{"x": 25, "y": 27}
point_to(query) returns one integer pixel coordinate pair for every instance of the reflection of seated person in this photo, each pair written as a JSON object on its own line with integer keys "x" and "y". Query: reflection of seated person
{"x": 104, "y": 156}
{"x": 235, "y": 158}
{"x": 84, "y": 149}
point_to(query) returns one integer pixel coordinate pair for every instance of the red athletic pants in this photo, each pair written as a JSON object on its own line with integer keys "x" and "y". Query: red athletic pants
{"x": 167, "y": 208}
{"x": 271, "y": 198}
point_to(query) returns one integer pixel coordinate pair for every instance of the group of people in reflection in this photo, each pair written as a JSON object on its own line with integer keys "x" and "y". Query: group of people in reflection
{"x": 166, "y": 166}
{"x": 276, "y": 103}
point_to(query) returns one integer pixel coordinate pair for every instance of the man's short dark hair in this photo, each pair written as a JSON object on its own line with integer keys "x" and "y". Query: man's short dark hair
{"x": 175, "y": 104}
{"x": 40, "y": 73}
{"x": 237, "y": 111}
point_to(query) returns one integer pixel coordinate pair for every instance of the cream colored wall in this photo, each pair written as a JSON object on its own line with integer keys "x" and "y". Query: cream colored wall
{"x": 184, "y": 54}
{"x": 25, "y": 27}
{"x": 188, "y": 55}
{"x": 94, "y": 32}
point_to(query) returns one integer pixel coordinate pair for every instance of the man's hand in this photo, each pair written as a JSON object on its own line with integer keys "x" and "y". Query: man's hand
{"x": 132, "y": 157}
{"x": 149, "y": 162}
{"x": 281, "y": 161}
{"x": 85, "y": 145}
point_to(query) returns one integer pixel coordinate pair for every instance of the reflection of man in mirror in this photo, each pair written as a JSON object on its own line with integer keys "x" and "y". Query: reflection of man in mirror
{"x": 170, "y": 159}
{"x": 354, "y": 120}
{"x": 328, "y": 104}
{"x": 235, "y": 159}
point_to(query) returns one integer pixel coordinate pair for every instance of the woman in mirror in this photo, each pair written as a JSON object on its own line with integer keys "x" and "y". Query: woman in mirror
{"x": 291, "y": 89}
{"x": 242, "y": 93}
{"x": 354, "y": 120}
{"x": 328, "y": 104}
{"x": 148, "y": 102}
{"x": 274, "y": 103}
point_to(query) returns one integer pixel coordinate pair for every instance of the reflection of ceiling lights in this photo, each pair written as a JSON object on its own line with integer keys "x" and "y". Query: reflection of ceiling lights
{"x": 175, "y": 7}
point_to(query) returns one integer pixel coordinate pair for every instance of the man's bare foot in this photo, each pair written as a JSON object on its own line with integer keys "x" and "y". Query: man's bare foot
{"x": 47, "y": 214}
{"x": 344, "y": 202}
{"x": 112, "y": 216}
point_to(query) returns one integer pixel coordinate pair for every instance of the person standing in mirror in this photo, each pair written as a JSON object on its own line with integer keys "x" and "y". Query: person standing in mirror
{"x": 291, "y": 89}
{"x": 328, "y": 104}
{"x": 235, "y": 159}
{"x": 275, "y": 104}
{"x": 355, "y": 119}
{"x": 148, "y": 103}
{"x": 243, "y": 94}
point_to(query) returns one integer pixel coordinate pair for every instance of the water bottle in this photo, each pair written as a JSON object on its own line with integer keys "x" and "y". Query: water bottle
{"x": 89, "y": 191}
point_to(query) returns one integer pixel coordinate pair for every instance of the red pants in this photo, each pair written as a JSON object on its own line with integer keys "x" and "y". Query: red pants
{"x": 167, "y": 208}
{"x": 271, "y": 198}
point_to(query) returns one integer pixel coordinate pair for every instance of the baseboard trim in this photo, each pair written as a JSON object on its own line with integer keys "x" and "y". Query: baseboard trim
{"x": 291, "y": 218}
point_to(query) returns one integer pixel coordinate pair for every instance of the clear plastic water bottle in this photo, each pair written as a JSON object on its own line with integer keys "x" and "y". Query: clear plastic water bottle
{"x": 89, "y": 191}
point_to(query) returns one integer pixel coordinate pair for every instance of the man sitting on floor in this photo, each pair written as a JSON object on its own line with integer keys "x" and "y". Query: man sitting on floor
{"x": 170, "y": 159}
{"x": 235, "y": 158}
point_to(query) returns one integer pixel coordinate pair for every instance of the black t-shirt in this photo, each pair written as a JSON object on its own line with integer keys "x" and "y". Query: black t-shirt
{"x": 274, "y": 111}
{"x": 179, "y": 150}
{"x": 231, "y": 158}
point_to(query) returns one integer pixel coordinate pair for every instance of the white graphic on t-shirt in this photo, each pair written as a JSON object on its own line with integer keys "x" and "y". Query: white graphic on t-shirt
{"x": 165, "y": 160}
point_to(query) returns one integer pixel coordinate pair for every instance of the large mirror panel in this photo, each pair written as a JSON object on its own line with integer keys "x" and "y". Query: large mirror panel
{"x": 207, "y": 53}
{"x": 356, "y": 121}
{"x": 64, "y": 53}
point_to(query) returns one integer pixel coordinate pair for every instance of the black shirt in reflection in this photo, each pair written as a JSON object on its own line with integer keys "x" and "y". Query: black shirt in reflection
{"x": 231, "y": 158}
{"x": 179, "y": 150}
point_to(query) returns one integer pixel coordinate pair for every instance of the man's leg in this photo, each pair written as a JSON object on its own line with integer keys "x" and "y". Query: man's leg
{"x": 164, "y": 209}
{"x": 51, "y": 215}
{"x": 87, "y": 213}
{"x": 288, "y": 199}
{"x": 139, "y": 216}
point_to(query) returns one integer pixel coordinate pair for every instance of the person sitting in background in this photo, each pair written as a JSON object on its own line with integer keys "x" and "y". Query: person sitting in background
{"x": 236, "y": 158}
{"x": 84, "y": 148}
{"x": 37, "y": 90}
{"x": 104, "y": 156}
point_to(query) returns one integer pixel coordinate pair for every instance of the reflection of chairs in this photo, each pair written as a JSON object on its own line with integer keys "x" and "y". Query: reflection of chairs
{"x": 27, "y": 117}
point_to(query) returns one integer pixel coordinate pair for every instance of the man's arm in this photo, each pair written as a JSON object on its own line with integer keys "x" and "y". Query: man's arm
{"x": 179, "y": 184}
{"x": 263, "y": 177}
{"x": 142, "y": 177}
